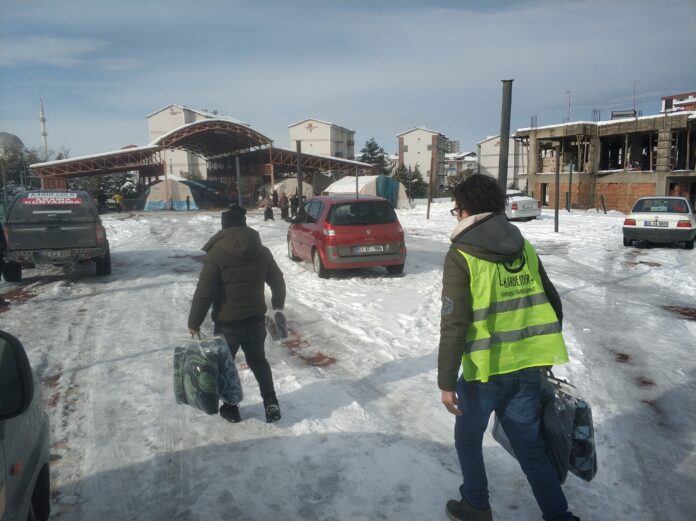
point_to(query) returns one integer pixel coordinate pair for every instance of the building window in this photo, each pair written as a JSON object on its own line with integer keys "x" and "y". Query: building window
{"x": 338, "y": 153}
{"x": 404, "y": 148}
{"x": 430, "y": 147}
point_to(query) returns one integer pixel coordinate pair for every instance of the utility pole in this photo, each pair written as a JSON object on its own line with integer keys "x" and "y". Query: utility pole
{"x": 299, "y": 173}
{"x": 505, "y": 133}
{"x": 430, "y": 187}
{"x": 167, "y": 193}
{"x": 558, "y": 187}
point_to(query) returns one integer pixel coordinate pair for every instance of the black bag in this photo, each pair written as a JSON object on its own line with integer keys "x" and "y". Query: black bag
{"x": 566, "y": 427}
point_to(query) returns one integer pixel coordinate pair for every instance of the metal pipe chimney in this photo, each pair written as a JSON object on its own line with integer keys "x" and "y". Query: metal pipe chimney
{"x": 505, "y": 133}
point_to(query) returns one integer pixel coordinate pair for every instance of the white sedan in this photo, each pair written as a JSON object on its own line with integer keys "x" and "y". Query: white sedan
{"x": 661, "y": 219}
{"x": 521, "y": 207}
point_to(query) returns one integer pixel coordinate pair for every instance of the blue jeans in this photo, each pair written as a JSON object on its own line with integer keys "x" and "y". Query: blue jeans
{"x": 251, "y": 339}
{"x": 516, "y": 399}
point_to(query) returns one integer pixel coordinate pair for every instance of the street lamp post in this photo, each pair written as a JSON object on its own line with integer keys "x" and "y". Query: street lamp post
{"x": 568, "y": 93}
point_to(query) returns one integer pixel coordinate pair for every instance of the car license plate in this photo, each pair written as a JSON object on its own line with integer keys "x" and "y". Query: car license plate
{"x": 656, "y": 224}
{"x": 368, "y": 249}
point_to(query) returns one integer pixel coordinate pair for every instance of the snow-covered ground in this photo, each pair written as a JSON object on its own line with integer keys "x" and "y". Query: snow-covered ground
{"x": 365, "y": 438}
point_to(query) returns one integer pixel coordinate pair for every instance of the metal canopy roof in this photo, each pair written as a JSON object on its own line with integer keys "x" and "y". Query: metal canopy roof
{"x": 212, "y": 139}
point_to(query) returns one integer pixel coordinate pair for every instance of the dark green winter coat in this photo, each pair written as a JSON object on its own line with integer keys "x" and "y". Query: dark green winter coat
{"x": 236, "y": 268}
{"x": 490, "y": 237}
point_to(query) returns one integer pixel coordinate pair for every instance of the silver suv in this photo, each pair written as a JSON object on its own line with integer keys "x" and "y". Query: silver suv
{"x": 25, "y": 483}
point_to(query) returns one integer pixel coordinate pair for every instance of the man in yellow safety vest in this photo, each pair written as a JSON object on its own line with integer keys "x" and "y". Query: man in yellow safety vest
{"x": 500, "y": 324}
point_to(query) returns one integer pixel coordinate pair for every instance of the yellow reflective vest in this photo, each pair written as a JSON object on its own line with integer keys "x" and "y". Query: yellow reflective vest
{"x": 514, "y": 325}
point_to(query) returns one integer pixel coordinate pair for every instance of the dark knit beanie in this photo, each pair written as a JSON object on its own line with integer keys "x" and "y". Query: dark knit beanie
{"x": 235, "y": 216}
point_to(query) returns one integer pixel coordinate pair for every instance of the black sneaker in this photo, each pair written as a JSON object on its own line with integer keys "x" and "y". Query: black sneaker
{"x": 463, "y": 511}
{"x": 272, "y": 411}
{"x": 230, "y": 413}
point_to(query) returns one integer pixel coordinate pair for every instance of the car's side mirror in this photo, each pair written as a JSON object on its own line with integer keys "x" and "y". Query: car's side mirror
{"x": 16, "y": 378}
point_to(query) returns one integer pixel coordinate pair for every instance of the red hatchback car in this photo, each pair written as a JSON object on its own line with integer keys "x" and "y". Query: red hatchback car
{"x": 344, "y": 232}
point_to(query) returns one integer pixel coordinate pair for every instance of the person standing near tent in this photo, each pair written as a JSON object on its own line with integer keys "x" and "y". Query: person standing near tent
{"x": 283, "y": 203}
{"x": 236, "y": 268}
{"x": 293, "y": 205}
{"x": 188, "y": 202}
{"x": 118, "y": 199}
{"x": 275, "y": 197}
{"x": 500, "y": 323}
{"x": 267, "y": 204}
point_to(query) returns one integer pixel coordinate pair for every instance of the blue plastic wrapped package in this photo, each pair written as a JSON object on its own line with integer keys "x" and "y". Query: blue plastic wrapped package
{"x": 196, "y": 373}
{"x": 205, "y": 373}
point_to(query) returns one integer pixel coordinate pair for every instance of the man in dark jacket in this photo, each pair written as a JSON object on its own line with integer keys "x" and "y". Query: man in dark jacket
{"x": 500, "y": 323}
{"x": 236, "y": 268}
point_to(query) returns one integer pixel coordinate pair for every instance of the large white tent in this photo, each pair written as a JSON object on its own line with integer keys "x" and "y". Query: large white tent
{"x": 289, "y": 186}
{"x": 370, "y": 185}
{"x": 169, "y": 194}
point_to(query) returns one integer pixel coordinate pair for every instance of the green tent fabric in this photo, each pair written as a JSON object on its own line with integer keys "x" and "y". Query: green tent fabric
{"x": 388, "y": 188}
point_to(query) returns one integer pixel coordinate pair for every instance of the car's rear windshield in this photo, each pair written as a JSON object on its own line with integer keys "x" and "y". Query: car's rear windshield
{"x": 50, "y": 206}
{"x": 658, "y": 205}
{"x": 516, "y": 194}
{"x": 367, "y": 212}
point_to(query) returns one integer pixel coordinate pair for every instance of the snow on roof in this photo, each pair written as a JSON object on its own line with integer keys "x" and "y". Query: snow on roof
{"x": 611, "y": 121}
{"x": 177, "y": 129}
{"x": 421, "y": 128}
{"x": 460, "y": 155}
{"x": 128, "y": 150}
{"x": 488, "y": 138}
{"x": 321, "y": 121}
{"x": 204, "y": 113}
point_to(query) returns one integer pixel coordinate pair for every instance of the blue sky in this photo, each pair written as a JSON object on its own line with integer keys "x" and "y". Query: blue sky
{"x": 379, "y": 67}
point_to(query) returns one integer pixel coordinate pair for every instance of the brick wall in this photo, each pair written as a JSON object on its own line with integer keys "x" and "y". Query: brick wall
{"x": 621, "y": 196}
{"x": 617, "y": 195}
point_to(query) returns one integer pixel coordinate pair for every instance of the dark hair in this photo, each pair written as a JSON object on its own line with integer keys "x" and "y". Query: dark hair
{"x": 480, "y": 194}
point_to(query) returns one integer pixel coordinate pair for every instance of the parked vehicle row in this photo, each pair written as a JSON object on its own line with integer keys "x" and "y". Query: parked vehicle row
{"x": 662, "y": 220}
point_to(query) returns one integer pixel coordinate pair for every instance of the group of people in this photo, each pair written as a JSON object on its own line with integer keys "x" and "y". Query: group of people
{"x": 285, "y": 203}
{"x": 500, "y": 327}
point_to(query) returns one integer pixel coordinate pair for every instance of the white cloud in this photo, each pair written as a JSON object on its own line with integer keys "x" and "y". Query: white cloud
{"x": 47, "y": 50}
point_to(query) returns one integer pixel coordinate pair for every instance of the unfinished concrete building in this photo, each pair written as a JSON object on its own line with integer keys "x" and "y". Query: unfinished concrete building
{"x": 613, "y": 162}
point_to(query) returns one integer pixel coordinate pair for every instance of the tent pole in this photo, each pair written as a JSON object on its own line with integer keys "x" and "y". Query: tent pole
{"x": 356, "y": 182}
